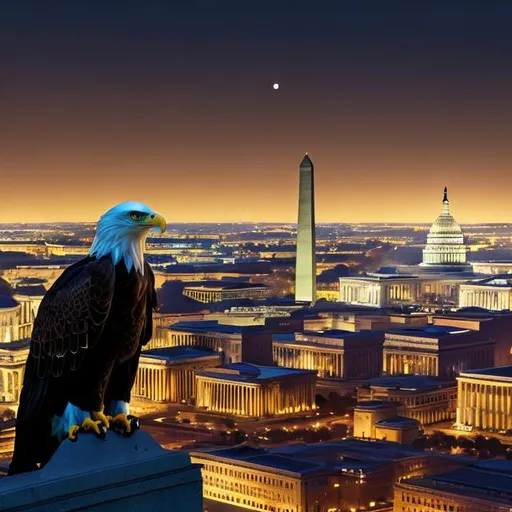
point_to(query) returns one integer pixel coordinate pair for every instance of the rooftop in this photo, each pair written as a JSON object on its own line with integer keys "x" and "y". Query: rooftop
{"x": 496, "y": 281}
{"x": 346, "y": 455}
{"x": 489, "y": 480}
{"x": 409, "y": 382}
{"x": 374, "y": 404}
{"x": 8, "y": 302}
{"x": 211, "y": 326}
{"x": 245, "y": 372}
{"x": 221, "y": 286}
{"x": 497, "y": 371}
{"x": 35, "y": 290}
{"x": 398, "y": 422}
{"x": 428, "y": 331}
{"x": 177, "y": 353}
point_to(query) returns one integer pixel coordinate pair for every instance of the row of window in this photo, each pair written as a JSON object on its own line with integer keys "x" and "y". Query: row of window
{"x": 247, "y": 502}
{"x": 251, "y": 477}
{"x": 427, "y": 501}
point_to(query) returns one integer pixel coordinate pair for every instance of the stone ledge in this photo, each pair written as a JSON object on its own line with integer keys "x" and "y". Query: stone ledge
{"x": 118, "y": 474}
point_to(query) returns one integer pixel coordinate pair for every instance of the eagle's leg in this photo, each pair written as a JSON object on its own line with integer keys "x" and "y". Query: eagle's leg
{"x": 97, "y": 423}
{"x": 75, "y": 420}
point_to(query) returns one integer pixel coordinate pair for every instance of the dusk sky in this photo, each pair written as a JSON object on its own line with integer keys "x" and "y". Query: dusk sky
{"x": 171, "y": 103}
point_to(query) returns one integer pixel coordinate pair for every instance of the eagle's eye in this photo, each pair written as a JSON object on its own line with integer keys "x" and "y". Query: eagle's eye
{"x": 136, "y": 215}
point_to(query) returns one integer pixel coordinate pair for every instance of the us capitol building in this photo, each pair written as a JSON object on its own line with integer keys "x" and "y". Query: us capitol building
{"x": 435, "y": 280}
{"x": 445, "y": 249}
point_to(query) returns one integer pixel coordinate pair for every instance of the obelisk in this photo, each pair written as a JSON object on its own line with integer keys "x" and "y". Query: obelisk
{"x": 305, "y": 265}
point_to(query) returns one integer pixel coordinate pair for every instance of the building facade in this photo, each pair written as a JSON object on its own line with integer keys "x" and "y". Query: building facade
{"x": 13, "y": 357}
{"x": 332, "y": 354}
{"x": 436, "y": 351}
{"x": 481, "y": 487}
{"x": 425, "y": 399}
{"x": 336, "y": 475}
{"x": 381, "y": 290}
{"x": 252, "y": 391}
{"x": 485, "y": 400}
{"x": 492, "y": 293}
{"x": 495, "y": 325}
{"x": 168, "y": 374}
{"x": 221, "y": 292}
{"x": 235, "y": 343}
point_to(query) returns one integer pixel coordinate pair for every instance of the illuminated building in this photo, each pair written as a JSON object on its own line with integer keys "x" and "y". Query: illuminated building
{"x": 10, "y": 319}
{"x": 435, "y": 350}
{"x": 485, "y": 486}
{"x": 378, "y": 419}
{"x": 484, "y": 399}
{"x": 333, "y": 354}
{"x": 247, "y": 390}
{"x": 219, "y": 292}
{"x": 13, "y": 356}
{"x": 445, "y": 242}
{"x": 356, "y": 321}
{"x": 168, "y": 374}
{"x": 493, "y": 293}
{"x": 423, "y": 398}
{"x": 29, "y": 298}
{"x": 495, "y": 325}
{"x": 380, "y": 290}
{"x": 333, "y": 475}
{"x": 47, "y": 273}
{"x": 236, "y": 343}
{"x": 492, "y": 267}
{"x": 305, "y": 266}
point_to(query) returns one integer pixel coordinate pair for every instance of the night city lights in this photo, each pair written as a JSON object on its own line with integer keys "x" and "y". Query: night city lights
{"x": 255, "y": 257}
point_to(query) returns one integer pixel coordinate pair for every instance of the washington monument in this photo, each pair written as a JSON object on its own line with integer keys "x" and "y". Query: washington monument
{"x": 305, "y": 266}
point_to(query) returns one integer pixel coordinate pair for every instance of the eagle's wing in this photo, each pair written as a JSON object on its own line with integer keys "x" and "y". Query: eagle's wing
{"x": 70, "y": 320}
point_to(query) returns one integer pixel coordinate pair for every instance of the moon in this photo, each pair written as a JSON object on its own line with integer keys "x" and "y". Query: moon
{"x": 276, "y": 86}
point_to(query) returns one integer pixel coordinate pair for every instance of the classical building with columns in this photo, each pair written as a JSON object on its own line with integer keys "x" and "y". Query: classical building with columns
{"x": 435, "y": 350}
{"x": 13, "y": 356}
{"x": 251, "y": 391}
{"x": 235, "y": 343}
{"x": 333, "y": 354}
{"x": 380, "y": 290}
{"x": 168, "y": 374}
{"x": 492, "y": 293}
{"x": 10, "y": 319}
{"x": 485, "y": 400}
{"x": 423, "y": 398}
{"x": 481, "y": 487}
{"x": 335, "y": 475}
{"x": 29, "y": 297}
{"x": 218, "y": 292}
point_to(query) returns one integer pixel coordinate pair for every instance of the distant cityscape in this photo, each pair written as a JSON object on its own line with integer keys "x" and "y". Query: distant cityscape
{"x": 310, "y": 367}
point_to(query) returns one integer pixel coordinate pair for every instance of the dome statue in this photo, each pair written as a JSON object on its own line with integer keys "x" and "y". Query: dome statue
{"x": 445, "y": 242}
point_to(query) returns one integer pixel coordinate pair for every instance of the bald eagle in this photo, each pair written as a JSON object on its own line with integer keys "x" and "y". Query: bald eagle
{"x": 87, "y": 339}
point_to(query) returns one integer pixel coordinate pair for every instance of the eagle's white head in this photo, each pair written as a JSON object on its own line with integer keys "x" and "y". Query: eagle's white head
{"x": 122, "y": 231}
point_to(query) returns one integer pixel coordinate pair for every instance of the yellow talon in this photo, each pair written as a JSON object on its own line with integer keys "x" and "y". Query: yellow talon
{"x": 73, "y": 431}
{"x": 99, "y": 416}
{"x": 121, "y": 418}
{"x": 88, "y": 425}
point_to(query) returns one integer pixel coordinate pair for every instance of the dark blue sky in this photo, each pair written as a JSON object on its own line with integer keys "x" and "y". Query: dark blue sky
{"x": 172, "y": 103}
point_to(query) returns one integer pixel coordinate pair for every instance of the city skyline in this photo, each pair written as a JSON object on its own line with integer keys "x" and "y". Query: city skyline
{"x": 175, "y": 106}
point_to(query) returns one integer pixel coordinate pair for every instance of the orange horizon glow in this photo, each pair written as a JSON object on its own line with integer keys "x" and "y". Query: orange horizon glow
{"x": 271, "y": 197}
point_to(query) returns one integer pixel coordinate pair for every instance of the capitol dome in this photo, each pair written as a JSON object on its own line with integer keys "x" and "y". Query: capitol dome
{"x": 445, "y": 241}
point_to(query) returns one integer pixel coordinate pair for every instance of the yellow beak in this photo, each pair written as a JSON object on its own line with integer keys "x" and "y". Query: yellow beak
{"x": 157, "y": 221}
